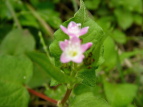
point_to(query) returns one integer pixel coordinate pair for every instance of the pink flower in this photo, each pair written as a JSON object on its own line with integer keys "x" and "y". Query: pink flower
{"x": 73, "y": 50}
{"x": 74, "y": 29}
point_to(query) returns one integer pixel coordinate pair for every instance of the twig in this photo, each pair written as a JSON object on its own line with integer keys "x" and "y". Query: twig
{"x": 9, "y": 6}
{"x": 47, "y": 28}
{"x": 42, "y": 96}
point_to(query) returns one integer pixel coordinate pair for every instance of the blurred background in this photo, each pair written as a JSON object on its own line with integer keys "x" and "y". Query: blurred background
{"x": 121, "y": 20}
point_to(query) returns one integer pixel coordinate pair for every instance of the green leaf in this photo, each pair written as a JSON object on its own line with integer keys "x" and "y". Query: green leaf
{"x": 14, "y": 73}
{"x": 130, "y": 4}
{"x": 110, "y": 54}
{"x": 44, "y": 62}
{"x": 56, "y": 92}
{"x": 15, "y": 69}
{"x": 127, "y": 4}
{"x": 17, "y": 42}
{"x": 92, "y": 4}
{"x": 13, "y": 95}
{"x": 124, "y": 18}
{"x": 81, "y": 88}
{"x": 138, "y": 7}
{"x": 138, "y": 19}
{"x": 131, "y": 105}
{"x": 26, "y": 19}
{"x": 51, "y": 16}
{"x": 105, "y": 23}
{"x": 120, "y": 95}
{"x": 119, "y": 36}
{"x": 89, "y": 77}
{"x": 88, "y": 100}
{"x": 39, "y": 78}
{"x": 95, "y": 35}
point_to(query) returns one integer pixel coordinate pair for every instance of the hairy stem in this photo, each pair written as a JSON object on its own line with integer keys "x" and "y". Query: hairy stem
{"x": 46, "y": 27}
{"x": 9, "y": 6}
{"x": 42, "y": 96}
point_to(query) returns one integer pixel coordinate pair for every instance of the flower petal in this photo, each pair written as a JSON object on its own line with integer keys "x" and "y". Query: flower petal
{"x": 83, "y": 31}
{"x": 84, "y": 47}
{"x": 75, "y": 40}
{"x": 64, "y": 29}
{"x": 64, "y": 59}
{"x": 63, "y": 44}
{"x": 78, "y": 59}
{"x": 71, "y": 24}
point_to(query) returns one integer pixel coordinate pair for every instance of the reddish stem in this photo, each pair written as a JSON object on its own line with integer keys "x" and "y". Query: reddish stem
{"x": 42, "y": 96}
{"x": 67, "y": 94}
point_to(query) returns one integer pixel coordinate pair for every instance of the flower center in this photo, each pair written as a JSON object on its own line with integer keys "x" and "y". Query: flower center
{"x": 73, "y": 53}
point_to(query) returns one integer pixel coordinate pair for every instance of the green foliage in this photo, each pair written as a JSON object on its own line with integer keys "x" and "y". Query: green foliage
{"x": 120, "y": 95}
{"x": 92, "y": 4}
{"x": 14, "y": 72}
{"x": 39, "y": 78}
{"x": 88, "y": 76}
{"x": 43, "y": 61}
{"x": 59, "y": 90}
{"x": 16, "y": 69}
{"x": 119, "y": 36}
{"x": 88, "y": 100}
{"x": 118, "y": 58}
{"x": 110, "y": 54}
{"x": 95, "y": 35}
{"x": 13, "y": 94}
{"x": 125, "y": 55}
{"x": 20, "y": 68}
{"x": 26, "y": 19}
{"x": 53, "y": 20}
{"x": 124, "y": 18}
{"x": 17, "y": 42}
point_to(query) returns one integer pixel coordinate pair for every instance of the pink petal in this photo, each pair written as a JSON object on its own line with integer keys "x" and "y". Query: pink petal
{"x": 83, "y": 31}
{"x": 63, "y": 44}
{"x": 64, "y": 29}
{"x": 71, "y": 24}
{"x": 84, "y": 47}
{"x": 78, "y": 59}
{"x": 75, "y": 40}
{"x": 71, "y": 35}
{"x": 64, "y": 59}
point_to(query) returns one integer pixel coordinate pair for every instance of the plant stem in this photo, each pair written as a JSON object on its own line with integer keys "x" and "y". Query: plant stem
{"x": 42, "y": 96}
{"x": 44, "y": 45}
{"x": 69, "y": 86}
{"x": 47, "y": 28}
{"x": 66, "y": 96}
{"x": 119, "y": 68}
{"x": 11, "y": 9}
{"x": 75, "y": 5}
